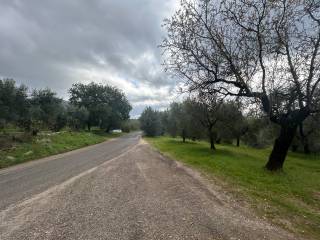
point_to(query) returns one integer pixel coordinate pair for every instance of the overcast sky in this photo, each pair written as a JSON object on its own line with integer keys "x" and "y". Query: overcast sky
{"x": 55, "y": 43}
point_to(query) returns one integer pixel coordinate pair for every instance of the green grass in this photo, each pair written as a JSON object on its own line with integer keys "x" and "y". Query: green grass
{"x": 290, "y": 198}
{"x": 47, "y": 144}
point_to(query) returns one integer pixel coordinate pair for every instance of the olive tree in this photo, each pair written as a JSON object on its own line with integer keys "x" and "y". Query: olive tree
{"x": 47, "y": 109}
{"x": 179, "y": 121}
{"x": 206, "y": 109}
{"x": 233, "y": 124}
{"x": 107, "y": 106}
{"x": 264, "y": 50}
{"x": 150, "y": 122}
{"x": 14, "y": 102}
{"x": 77, "y": 117}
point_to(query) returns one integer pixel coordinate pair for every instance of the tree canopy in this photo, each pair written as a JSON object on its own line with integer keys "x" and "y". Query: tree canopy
{"x": 150, "y": 122}
{"x": 13, "y": 101}
{"x": 107, "y": 106}
{"x": 41, "y": 109}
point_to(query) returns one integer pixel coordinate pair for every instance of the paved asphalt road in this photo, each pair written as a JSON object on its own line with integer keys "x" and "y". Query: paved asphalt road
{"x": 23, "y": 181}
{"x": 121, "y": 189}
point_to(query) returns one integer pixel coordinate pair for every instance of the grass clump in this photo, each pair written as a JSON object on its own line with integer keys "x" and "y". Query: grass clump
{"x": 290, "y": 198}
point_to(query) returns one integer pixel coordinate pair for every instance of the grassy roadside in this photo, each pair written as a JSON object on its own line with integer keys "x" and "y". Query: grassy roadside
{"x": 290, "y": 199}
{"x": 47, "y": 144}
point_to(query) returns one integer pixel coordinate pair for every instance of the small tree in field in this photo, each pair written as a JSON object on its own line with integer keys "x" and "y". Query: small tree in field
{"x": 179, "y": 121}
{"x": 264, "y": 50}
{"x": 206, "y": 109}
{"x": 233, "y": 124}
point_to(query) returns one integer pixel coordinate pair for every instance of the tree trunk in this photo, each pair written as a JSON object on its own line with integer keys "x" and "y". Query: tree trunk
{"x": 212, "y": 143}
{"x": 238, "y": 141}
{"x": 306, "y": 148}
{"x": 212, "y": 140}
{"x": 89, "y": 127}
{"x": 280, "y": 148}
{"x": 183, "y": 135}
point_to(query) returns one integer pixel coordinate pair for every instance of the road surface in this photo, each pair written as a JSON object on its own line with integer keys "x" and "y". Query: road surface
{"x": 120, "y": 189}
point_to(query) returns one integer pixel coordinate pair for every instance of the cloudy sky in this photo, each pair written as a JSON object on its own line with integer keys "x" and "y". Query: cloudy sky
{"x": 55, "y": 43}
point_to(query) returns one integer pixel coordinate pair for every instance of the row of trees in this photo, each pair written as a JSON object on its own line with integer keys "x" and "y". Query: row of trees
{"x": 224, "y": 121}
{"x": 197, "y": 118}
{"x": 265, "y": 51}
{"x": 88, "y": 105}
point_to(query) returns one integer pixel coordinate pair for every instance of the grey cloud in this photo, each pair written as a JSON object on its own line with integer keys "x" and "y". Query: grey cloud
{"x": 43, "y": 41}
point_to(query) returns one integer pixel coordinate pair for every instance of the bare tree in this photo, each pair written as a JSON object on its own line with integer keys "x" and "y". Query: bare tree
{"x": 264, "y": 50}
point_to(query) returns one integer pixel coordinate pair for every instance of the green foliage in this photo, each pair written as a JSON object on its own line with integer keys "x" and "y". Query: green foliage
{"x": 47, "y": 109}
{"x": 61, "y": 121}
{"x": 292, "y": 195}
{"x": 174, "y": 120}
{"x": 42, "y": 110}
{"x": 308, "y": 135}
{"x": 261, "y": 132}
{"x": 92, "y": 105}
{"x": 77, "y": 117}
{"x": 107, "y": 106}
{"x": 125, "y": 128}
{"x": 232, "y": 124}
{"x": 130, "y": 125}
{"x": 13, "y": 101}
{"x": 178, "y": 120}
{"x": 206, "y": 110}
{"x": 164, "y": 120}
{"x": 197, "y": 119}
{"x": 150, "y": 122}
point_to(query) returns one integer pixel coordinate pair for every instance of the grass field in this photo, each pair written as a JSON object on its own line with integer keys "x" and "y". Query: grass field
{"x": 290, "y": 198}
{"x": 47, "y": 144}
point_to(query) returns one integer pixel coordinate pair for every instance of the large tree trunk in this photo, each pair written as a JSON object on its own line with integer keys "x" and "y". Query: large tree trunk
{"x": 280, "y": 148}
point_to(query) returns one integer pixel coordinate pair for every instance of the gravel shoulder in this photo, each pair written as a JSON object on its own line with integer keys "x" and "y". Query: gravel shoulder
{"x": 139, "y": 194}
